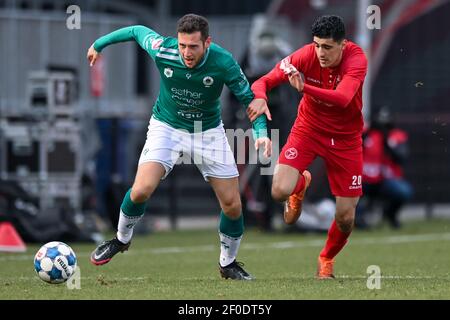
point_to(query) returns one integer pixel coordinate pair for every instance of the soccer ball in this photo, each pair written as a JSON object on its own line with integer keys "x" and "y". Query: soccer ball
{"x": 55, "y": 262}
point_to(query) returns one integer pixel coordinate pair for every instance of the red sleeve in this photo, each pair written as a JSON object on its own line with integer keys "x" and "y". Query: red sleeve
{"x": 341, "y": 97}
{"x": 355, "y": 68}
{"x": 276, "y": 76}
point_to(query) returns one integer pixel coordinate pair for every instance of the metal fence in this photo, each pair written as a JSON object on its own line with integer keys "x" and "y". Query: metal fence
{"x": 37, "y": 41}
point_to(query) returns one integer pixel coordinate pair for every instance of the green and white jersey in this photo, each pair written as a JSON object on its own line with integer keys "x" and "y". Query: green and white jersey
{"x": 189, "y": 94}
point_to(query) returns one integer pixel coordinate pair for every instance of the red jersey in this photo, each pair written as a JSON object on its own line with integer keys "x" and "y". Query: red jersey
{"x": 332, "y": 97}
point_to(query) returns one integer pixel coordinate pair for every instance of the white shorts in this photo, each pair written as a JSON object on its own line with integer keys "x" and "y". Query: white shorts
{"x": 208, "y": 150}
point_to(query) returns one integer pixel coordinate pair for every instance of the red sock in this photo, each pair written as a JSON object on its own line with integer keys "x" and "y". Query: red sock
{"x": 300, "y": 184}
{"x": 335, "y": 242}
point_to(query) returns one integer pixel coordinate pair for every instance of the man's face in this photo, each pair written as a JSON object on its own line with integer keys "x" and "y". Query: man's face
{"x": 328, "y": 51}
{"x": 192, "y": 48}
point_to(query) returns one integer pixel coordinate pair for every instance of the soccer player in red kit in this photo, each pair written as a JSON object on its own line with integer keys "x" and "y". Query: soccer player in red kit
{"x": 330, "y": 73}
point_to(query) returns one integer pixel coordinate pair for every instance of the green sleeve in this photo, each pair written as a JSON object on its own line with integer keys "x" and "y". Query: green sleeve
{"x": 148, "y": 39}
{"x": 260, "y": 127}
{"x": 238, "y": 84}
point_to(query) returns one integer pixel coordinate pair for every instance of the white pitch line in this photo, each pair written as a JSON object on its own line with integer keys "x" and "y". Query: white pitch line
{"x": 389, "y": 240}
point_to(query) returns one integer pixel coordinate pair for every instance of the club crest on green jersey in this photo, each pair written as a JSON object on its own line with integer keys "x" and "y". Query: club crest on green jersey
{"x": 208, "y": 81}
{"x": 168, "y": 72}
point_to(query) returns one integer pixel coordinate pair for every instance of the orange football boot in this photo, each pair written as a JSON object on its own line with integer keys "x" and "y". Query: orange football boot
{"x": 325, "y": 268}
{"x": 293, "y": 206}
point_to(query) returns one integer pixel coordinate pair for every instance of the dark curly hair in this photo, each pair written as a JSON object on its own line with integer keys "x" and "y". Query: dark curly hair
{"x": 329, "y": 27}
{"x": 191, "y": 23}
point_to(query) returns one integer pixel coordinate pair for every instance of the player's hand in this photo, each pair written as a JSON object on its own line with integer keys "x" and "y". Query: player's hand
{"x": 256, "y": 108}
{"x": 295, "y": 78}
{"x": 92, "y": 55}
{"x": 267, "y": 145}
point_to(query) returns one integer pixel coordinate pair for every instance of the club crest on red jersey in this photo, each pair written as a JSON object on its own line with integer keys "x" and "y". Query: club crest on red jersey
{"x": 291, "y": 153}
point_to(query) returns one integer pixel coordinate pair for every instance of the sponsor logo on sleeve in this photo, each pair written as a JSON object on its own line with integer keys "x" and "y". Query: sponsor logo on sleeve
{"x": 156, "y": 43}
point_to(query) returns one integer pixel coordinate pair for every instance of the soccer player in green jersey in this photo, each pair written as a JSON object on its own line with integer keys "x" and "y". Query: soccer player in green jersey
{"x": 187, "y": 121}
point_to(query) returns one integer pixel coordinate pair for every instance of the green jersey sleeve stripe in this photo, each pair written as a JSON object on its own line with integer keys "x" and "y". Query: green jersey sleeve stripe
{"x": 169, "y": 50}
{"x": 146, "y": 41}
{"x": 167, "y": 56}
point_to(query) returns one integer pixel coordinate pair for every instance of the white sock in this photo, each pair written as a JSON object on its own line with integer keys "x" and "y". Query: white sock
{"x": 126, "y": 226}
{"x": 228, "y": 249}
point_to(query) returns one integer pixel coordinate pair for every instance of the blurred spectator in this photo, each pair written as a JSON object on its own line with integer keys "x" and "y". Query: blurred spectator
{"x": 385, "y": 152}
{"x": 264, "y": 50}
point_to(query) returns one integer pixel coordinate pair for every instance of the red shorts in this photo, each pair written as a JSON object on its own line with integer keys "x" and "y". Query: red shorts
{"x": 343, "y": 159}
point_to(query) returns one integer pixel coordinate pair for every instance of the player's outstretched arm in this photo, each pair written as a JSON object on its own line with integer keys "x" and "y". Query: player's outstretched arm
{"x": 145, "y": 37}
{"x": 238, "y": 84}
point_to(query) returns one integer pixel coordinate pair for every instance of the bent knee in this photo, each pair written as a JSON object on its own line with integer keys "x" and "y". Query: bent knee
{"x": 280, "y": 193}
{"x": 345, "y": 222}
{"x": 141, "y": 193}
{"x": 232, "y": 208}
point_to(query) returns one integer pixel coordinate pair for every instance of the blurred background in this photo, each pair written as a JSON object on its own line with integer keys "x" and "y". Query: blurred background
{"x": 71, "y": 135}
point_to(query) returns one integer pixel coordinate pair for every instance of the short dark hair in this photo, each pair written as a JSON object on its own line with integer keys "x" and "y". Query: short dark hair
{"x": 191, "y": 23}
{"x": 329, "y": 27}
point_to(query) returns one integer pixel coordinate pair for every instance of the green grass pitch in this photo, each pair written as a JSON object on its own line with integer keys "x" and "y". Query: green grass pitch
{"x": 414, "y": 264}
